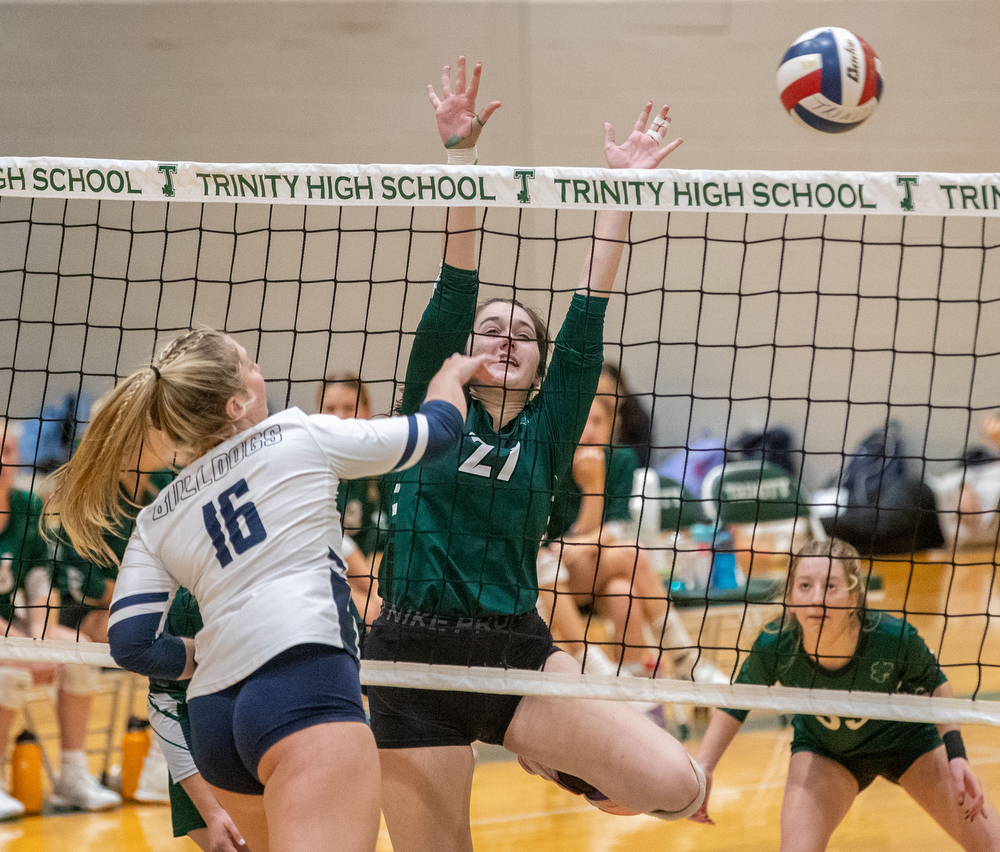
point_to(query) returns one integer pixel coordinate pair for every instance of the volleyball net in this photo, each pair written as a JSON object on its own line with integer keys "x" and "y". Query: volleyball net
{"x": 817, "y": 351}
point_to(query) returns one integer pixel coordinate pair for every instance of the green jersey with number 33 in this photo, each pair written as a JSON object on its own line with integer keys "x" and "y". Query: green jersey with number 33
{"x": 890, "y": 657}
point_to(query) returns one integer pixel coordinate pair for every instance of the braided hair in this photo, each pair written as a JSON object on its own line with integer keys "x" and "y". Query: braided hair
{"x": 182, "y": 397}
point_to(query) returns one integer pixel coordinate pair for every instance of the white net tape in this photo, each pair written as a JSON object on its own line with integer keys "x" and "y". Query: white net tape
{"x": 909, "y": 708}
{"x": 665, "y": 191}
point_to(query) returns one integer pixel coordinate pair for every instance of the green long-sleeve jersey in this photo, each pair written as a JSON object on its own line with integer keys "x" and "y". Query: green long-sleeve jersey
{"x": 465, "y": 529}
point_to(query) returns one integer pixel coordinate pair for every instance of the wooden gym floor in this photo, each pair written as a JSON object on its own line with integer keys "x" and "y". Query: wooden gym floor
{"x": 514, "y": 811}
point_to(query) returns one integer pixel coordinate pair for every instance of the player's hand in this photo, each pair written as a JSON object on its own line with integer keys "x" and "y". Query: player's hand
{"x": 465, "y": 368}
{"x": 457, "y": 368}
{"x": 223, "y": 835}
{"x": 448, "y": 382}
{"x": 589, "y": 469}
{"x": 701, "y": 815}
{"x": 971, "y": 799}
{"x": 642, "y": 148}
{"x": 457, "y": 119}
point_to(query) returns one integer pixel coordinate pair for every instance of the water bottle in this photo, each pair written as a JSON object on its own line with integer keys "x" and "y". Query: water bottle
{"x": 26, "y": 772}
{"x": 682, "y": 574}
{"x": 701, "y": 558}
{"x": 724, "y": 570}
{"x": 135, "y": 747}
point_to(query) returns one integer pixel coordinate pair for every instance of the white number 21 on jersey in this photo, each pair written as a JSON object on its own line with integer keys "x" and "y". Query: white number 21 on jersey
{"x": 474, "y": 463}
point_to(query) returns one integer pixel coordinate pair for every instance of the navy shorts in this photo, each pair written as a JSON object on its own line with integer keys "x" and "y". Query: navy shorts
{"x": 304, "y": 686}
{"x": 421, "y": 718}
{"x": 866, "y": 768}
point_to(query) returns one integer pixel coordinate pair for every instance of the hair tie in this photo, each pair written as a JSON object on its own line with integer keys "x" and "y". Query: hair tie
{"x": 155, "y": 372}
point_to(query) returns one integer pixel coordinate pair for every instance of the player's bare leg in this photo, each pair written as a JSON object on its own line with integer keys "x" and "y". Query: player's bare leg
{"x": 818, "y": 794}
{"x": 247, "y": 812}
{"x": 426, "y": 794}
{"x": 321, "y": 789}
{"x": 609, "y": 744}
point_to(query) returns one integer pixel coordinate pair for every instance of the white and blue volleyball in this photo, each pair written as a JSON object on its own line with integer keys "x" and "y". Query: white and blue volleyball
{"x": 830, "y": 80}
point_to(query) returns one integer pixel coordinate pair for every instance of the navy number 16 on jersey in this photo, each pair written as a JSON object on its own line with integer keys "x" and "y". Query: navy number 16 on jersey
{"x": 240, "y": 540}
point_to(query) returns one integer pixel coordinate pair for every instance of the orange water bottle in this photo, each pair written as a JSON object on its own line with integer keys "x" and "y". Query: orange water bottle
{"x": 135, "y": 746}
{"x": 26, "y": 772}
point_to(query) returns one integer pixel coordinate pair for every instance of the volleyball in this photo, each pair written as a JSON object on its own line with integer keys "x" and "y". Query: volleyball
{"x": 830, "y": 80}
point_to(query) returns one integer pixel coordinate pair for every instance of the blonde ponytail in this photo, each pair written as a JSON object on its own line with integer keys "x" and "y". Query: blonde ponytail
{"x": 183, "y": 396}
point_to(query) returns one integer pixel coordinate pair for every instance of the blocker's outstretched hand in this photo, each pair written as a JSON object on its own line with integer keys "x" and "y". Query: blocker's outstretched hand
{"x": 642, "y": 148}
{"x": 457, "y": 119}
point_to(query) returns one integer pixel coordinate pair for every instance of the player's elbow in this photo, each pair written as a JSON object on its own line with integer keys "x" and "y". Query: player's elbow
{"x": 137, "y": 650}
{"x": 129, "y": 657}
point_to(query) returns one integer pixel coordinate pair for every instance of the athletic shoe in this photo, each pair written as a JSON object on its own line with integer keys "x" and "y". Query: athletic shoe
{"x": 576, "y": 786}
{"x": 652, "y": 667}
{"x": 681, "y": 727}
{"x": 603, "y": 803}
{"x": 77, "y": 788}
{"x": 154, "y": 780}
{"x": 699, "y": 671}
{"x": 658, "y": 713}
{"x": 534, "y": 768}
{"x": 10, "y": 807}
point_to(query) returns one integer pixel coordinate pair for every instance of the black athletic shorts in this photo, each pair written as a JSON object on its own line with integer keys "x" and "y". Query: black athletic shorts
{"x": 866, "y": 768}
{"x": 421, "y": 718}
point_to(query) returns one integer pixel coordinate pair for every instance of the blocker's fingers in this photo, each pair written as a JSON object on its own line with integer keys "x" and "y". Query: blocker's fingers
{"x": 460, "y": 77}
{"x": 673, "y": 145}
{"x": 658, "y": 129}
{"x": 474, "y": 85}
{"x": 640, "y": 124}
{"x": 435, "y": 100}
{"x": 609, "y": 135}
{"x": 974, "y": 800}
{"x": 484, "y": 114}
{"x": 446, "y": 81}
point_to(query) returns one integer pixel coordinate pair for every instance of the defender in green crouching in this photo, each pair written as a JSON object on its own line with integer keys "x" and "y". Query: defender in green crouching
{"x": 829, "y": 641}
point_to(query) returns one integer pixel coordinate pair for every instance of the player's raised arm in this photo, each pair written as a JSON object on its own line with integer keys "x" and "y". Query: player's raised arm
{"x": 641, "y": 150}
{"x": 460, "y": 124}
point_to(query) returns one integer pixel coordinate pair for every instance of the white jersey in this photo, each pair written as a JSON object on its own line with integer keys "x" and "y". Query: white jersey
{"x": 252, "y": 530}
